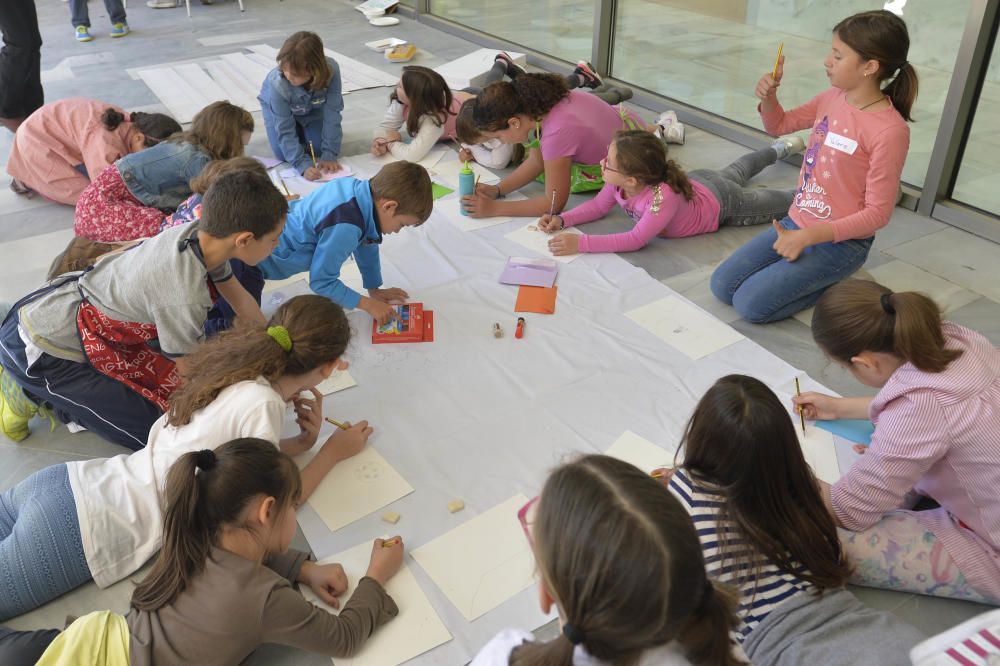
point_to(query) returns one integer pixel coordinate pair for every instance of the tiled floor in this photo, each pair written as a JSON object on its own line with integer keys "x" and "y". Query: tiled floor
{"x": 913, "y": 252}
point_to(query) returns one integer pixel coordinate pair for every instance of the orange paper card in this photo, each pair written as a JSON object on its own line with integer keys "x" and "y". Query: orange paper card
{"x": 536, "y": 299}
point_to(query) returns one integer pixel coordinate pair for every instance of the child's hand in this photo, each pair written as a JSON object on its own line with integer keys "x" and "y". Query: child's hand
{"x": 392, "y": 295}
{"x": 309, "y": 417}
{"x": 379, "y": 146}
{"x": 663, "y": 474}
{"x": 565, "y": 244}
{"x": 479, "y": 204}
{"x": 816, "y": 406}
{"x": 488, "y": 191}
{"x": 386, "y": 559}
{"x": 328, "y": 581}
{"x": 344, "y": 444}
{"x": 312, "y": 173}
{"x": 381, "y": 312}
{"x": 768, "y": 84}
{"x": 329, "y": 166}
{"x": 791, "y": 242}
{"x": 465, "y": 155}
{"x": 550, "y": 223}
{"x": 392, "y": 136}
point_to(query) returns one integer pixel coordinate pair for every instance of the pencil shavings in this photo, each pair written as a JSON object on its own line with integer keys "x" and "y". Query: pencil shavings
{"x": 455, "y": 506}
{"x": 391, "y": 517}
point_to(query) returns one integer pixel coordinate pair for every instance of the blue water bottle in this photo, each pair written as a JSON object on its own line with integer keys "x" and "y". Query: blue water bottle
{"x": 466, "y": 185}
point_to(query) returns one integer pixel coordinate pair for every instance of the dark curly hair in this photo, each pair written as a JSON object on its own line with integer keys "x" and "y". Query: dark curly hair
{"x": 529, "y": 94}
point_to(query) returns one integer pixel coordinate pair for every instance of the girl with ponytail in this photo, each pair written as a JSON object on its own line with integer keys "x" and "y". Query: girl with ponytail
{"x": 64, "y": 144}
{"x": 222, "y": 584}
{"x": 764, "y": 528}
{"x": 849, "y": 181}
{"x": 101, "y": 518}
{"x": 937, "y": 434}
{"x": 618, "y": 557}
{"x": 666, "y": 202}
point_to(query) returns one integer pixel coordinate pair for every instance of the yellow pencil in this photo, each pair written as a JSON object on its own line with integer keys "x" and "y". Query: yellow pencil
{"x": 336, "y": 423}
{"x": 313, "y": 152}
{"x": 802, "y": 414}
{"x": 658, "y": 474}
{"x": 390, "y": 543}
{"x": 285, "y": 187}
{"x": 774, "y": 74}
{"x": 475, "y": 187}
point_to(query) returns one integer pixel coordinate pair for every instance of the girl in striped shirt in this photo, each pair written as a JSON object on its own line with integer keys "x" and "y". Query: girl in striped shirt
{"x": 763, "y": 527}
{"x": 937, "y": 436}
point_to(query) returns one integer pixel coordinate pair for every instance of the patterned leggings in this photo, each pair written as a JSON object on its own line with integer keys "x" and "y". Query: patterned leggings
{"x": 899, "y": 554}
{"x": 107, "y": 212}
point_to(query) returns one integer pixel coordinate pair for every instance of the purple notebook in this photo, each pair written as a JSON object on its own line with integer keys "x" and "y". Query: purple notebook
{"x": 529, "y": 272}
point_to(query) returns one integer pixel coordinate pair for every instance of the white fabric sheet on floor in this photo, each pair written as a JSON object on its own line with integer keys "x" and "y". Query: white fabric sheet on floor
{"x": 474, "y": 417}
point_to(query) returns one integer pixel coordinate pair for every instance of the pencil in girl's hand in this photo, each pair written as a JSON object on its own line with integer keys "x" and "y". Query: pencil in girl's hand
{"x": 284, "y": 187}
{"x": 336, "y": 423}
{"x": 774, "y": 73}
{"x": 389, "y": 543}
{"x": 802, "y": 414}
{"x": 312, "y": 152}
{"x": 552, "y": 206}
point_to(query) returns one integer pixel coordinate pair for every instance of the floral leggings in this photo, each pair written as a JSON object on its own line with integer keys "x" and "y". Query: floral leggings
{"x": 107, "y": 212}
{"x": 899, "y": 554}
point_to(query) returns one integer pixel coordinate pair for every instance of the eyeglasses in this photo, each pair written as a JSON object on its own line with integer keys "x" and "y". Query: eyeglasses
{"x": 526, "y": 516}
{"x": 605, "y": 167}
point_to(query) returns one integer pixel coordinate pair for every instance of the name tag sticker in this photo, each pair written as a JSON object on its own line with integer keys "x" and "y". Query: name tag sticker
{"x": 841, "y": 143}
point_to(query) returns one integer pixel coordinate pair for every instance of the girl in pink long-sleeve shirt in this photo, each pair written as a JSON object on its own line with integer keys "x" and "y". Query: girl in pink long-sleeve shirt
{"x": 849, "y": 178}
{"x": 665, "y": 201}
{"x": 62, "y": 145}
{"x": 937, "y": 436}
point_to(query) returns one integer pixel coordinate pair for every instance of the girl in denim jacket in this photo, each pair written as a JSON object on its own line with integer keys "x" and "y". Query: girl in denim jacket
{"x": 128, "y": 199}
{"x": 302, "y": 104}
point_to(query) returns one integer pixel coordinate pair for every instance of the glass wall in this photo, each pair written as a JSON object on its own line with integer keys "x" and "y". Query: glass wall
{"x": 561, "y": 29}
{"x": 978, "y": 180}
{"x": 710, "y": 54}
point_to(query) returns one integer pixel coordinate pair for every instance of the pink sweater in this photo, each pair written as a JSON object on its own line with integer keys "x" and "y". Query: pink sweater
{"x": 938, "y": 434}
{"x": 581, "y": 126}
{"x": 851, "y": 168}
{"x": 676, "y": 218}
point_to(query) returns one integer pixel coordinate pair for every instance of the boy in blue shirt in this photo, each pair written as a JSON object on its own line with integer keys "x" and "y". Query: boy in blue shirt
{"x": 350, "y": 216}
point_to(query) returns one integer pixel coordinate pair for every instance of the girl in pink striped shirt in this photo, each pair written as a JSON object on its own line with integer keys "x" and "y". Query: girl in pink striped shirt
{"x": 937, "y": 436}
{"x": 849, "y": 178}
{"x": 666, "y": 202}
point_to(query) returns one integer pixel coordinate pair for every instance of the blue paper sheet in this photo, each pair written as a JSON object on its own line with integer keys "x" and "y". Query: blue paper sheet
{"x": 858, "y": 431}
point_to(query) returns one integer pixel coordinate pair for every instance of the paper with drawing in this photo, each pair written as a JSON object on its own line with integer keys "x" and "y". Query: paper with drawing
{"x": 483, "y": 563}
{"x": 532, "y": 238}
{"x": 684, "y": 327}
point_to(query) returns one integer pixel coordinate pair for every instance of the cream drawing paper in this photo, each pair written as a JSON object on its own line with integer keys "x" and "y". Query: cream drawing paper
{"x": 819, "y": 451}
{"x": 338, "y": 381}
{"x": 684, "y": 327}
{"x": 449, "y": 207}
{"x": 414, "y": 631}
{"x": 483, "y": 562}
{"x": 355, "y": 487}
{"x": 448, "y": 169}
{"x": 640, "y": 452}
{"x": 538, "y": 241}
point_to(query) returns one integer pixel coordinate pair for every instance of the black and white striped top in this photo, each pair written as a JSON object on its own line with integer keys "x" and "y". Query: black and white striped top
{"x": 759, "y": 596}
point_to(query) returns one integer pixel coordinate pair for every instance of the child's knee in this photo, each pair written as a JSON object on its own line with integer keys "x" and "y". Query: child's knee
{"x": 720, "y": 283}
{"x": 755, "y": 307}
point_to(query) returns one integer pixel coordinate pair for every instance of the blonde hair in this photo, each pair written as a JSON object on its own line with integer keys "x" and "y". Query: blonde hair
{"x": 218, "y": 130}
{"x": 200, "y": 183}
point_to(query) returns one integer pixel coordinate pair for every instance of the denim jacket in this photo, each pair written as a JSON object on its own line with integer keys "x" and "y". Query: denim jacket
{"x": 288, "y": 105}
{"x": 159, "y": 176}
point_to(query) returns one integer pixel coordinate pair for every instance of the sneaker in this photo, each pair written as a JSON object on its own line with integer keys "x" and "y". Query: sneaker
{"x": 15, "y": 408}
{"x": 788, "y": 145}
{"x": 513, "y": 69}
{"x": 161, "y": 4}
{"x": 669, "y": 129}
{"x": 624, "y": 93}
{"x": 588, "y": 77}
{"x": 83, "y": 34}
{"x": 119, "y": 29}
{"x": 17, "y": 187}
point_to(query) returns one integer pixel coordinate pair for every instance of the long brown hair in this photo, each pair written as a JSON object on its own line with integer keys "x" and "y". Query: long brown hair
{"x": 428, "y": 95}
{"x": 851, "y": 318}
{"x": 533, "y": 95}
{"x": 218, "y": 130}
{"x": 881, "y": 35}
{"x": 621, "y": 556}
{"x": 303, "y": 54}
{"x": 643, "y": 156}
{"x": 742, "y": 440}
{"x": 319, "y": 332}
{"x": 200, "y": 183}
{"x": 205, "y": 492}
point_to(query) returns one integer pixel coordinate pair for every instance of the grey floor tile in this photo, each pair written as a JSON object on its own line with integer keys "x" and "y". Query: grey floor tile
{"x": 957, "y": 256}
{"x": 982, "y": 315}
{"x": 933, "y": 615}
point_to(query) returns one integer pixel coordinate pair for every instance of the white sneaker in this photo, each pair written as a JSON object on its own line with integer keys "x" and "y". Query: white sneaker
{"x": 669, "y": 129}
{"x": 788, "y": 145}
{"x": 161, "y": 4}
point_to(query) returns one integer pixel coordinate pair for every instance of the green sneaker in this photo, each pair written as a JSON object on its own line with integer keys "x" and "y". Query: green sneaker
{"x": 83, "y": 34}
{"x": 119, "y": 29}
{"x": 15, "y": 408}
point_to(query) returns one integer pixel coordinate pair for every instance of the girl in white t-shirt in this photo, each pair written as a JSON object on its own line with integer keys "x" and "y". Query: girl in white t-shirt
{"x": 618, "y": 557}
{"x": 102, "y": 518}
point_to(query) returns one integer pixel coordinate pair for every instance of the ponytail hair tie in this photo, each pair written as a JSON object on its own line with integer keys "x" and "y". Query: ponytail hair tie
{"x": 280, "y": 335}
{"x": 205, "y": 460}
{"x": 886, "y": 304}
{"x": 572, "y": 634}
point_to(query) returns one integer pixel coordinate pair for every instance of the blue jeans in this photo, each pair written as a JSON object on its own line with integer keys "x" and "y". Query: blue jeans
{"x": 763, "y": 286}
{"x": 80, "y": 15}
{"x": 41, "y": 552}
{"x": 307, "y": 128}
{"x": 221, "y": 316}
